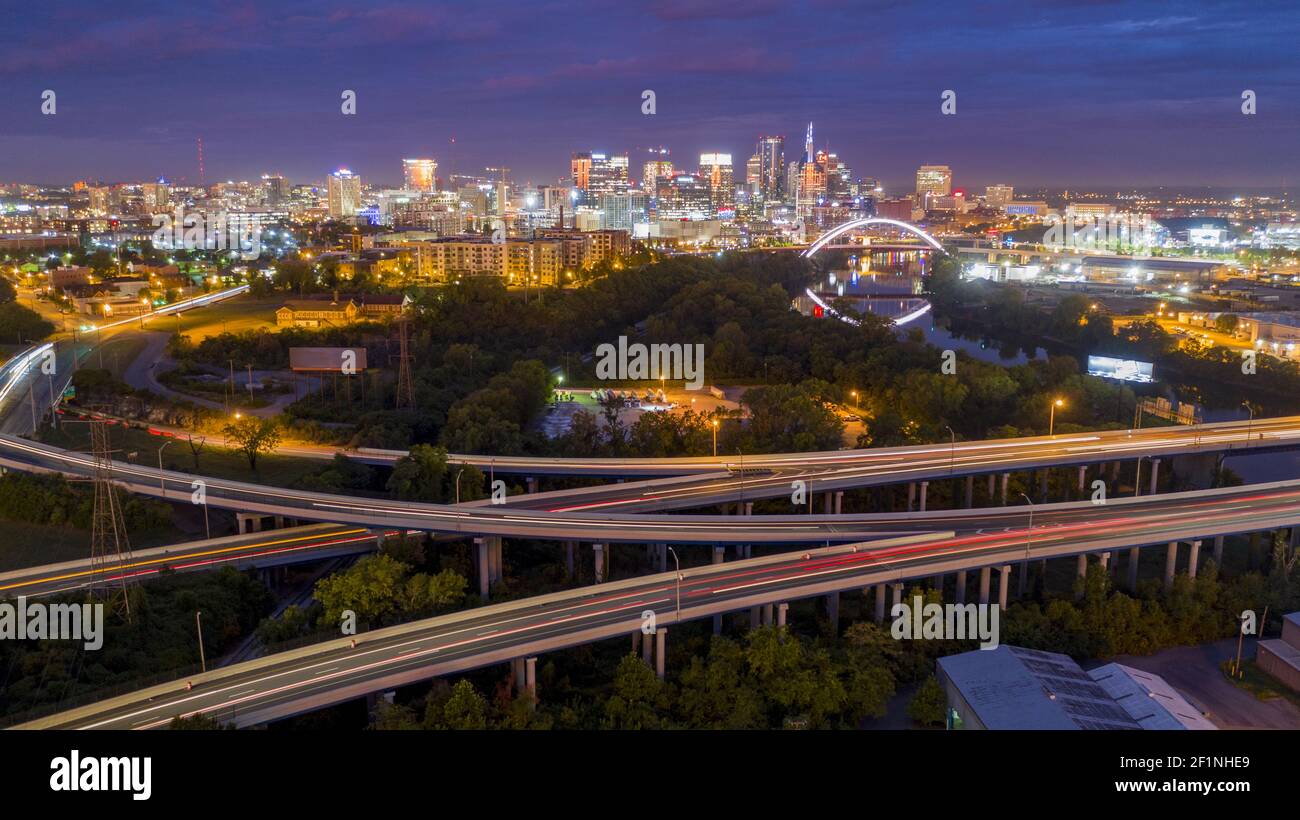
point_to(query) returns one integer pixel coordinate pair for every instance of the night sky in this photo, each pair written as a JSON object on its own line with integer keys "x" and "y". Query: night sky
{"x": 1083, "y": 94}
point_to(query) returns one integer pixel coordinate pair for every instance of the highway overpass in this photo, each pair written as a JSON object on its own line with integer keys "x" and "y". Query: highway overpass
{"x": 323, "y": 674}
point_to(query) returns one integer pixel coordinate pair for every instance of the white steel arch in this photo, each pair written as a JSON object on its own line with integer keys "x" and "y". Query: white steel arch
{"x": 840, "y": 230}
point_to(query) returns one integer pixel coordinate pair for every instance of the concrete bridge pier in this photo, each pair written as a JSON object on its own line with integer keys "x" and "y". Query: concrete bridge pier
{"x": 1134, "y": 554}
{"x": 531, "y": 483}
{"x": 1083, "y": 478}
{"x": 1043, "y": 475}
{"x": 1003, "y": 583}
{"x": 961, "y": 586}
{"x": 661, "y": 636}
{"x": 993, "y": 479}
{"x": 755, "y": 617}
{"x": 1006, "y": 477}
{"x": 880, "y": 603}
{"x": 1023, "y": 580}
{"x": 1155, "y": 475}
{"x": 911, "y": 494}
{"x": 781, "y": 610}
{"x": 481, "y": 554}
{"x": 1105, "y": 561}
{"x": 985, "y": 577}
{"x": 1218, "y": 550}
{"x": 925, "y": 488}
{"x": 1171, "y": 564}
{"x": 1081, "y": 566}
{"x": 248, "y": 522}
{"x": 598, "y": 553}
{"x": 530, "y": 681}
{"x": 517, "y": 675}
{"x": 970, "y": 492}
{"x": 647, "y": 647}
{"x": 839, "y": 504}
{"x": 828, "y": 502}
{"x": 833, "y": 611}
{"x": 769, "y": 611}
{"x": 1193, "y": 556}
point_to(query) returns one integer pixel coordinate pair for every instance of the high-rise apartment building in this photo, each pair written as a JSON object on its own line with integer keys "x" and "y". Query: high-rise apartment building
{"x": 419, "y": 175}
{"x": 684, "y": 196}
{"x": 344, "y": 194}
{"x": 608, "y": 176}
{"x": 658, "y": 167}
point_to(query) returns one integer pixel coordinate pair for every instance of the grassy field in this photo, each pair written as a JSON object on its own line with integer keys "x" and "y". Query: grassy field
{"x": 142, "y": 448}
{"x": 116, "y": 354}
{"x": 231, "y": 316}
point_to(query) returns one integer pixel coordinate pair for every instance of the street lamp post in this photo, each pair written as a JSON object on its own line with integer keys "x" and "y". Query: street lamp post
{"x": 1051, "y": 420}
{"x": 462, "y": 469}
{"x": 715, "y": 438}
{"x": 198, "y": 627}
{"x": 677, "y": 562}
{"x": 162, "y": 478}
{"x": 1029, "y": 534}
{"x": 1251, "y": 421}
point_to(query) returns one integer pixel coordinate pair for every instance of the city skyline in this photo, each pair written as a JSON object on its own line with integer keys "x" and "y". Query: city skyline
{"x": 1134, "y": 95}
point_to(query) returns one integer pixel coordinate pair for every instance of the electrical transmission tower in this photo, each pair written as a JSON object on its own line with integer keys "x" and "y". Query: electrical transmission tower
{"x": 405, "y": 385}
{"x": 110, "y": 551}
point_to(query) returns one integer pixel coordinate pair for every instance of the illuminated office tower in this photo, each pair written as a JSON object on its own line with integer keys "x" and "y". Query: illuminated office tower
{"x": 771, "y": 171}
{"x": 419, "y": 175}
{"x": 156, "y": 196}
{"x": 608, "y": 176}
{"x": 275, "y": 189}
{"x": 684, "y": 196}
{"x": 580, "y": 168}
{"x": 716, "y": 171}
{"x": 344, "y": 194}
{"x": 997, "y": 196}
{"x": 933, "y": 180}
{"x": 658, "y": 167}
{"x": 753, "y": 173}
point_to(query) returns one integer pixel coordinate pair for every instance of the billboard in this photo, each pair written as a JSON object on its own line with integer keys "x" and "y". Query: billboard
{"x": 1127, "y": 370}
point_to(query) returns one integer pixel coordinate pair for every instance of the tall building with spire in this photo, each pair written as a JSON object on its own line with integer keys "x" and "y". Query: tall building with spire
{"x": 771, "y": 167}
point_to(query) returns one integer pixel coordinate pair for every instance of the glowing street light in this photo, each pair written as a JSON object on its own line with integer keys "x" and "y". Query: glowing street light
{"x": 1051, "y": 420}
{"x": 715, "y": 438}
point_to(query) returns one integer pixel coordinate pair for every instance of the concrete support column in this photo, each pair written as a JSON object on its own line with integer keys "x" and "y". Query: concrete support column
{"x": 518, "y": 674}
{"x": 532, "y": 485}
{"x": 719, "y": 553}
{"x": 1083, "y": 478}
{"x": 925, "y": 488}
{"x": 1006, "y": 477}
{"x": 993, "y": 480}
{"x": 1043, "y": 475}
{"x": 279, "y": 522}
{"x": 598, "y": 552}
{"x": 833, "y": 611}
{"x": 530, "y": 680}
{"x": 661, "y": 635}
{"x": 828, "y": 502}
{"x": 568, "y": 558}
{"x": 1171, "y": 564}
{"x": 985, "y": 576}
{"x": 911, "y": 495}
{"x": 1192, "y": 556}
{"x": 1218, "y": 550}
{"x": 755, "y": 617}
{"x": 1104, "y": 560}
{"x": 961, "y": 586}
{"x": 880, "y": 603}
{"x": 970, "y": 492}
{"x": 1134, "y": 554}
{"x": 748, "y": 508}
{"x": 647, "y": 647}
{"x": 781, "y": 610}
{"x": 1081, "y": 566}
{"x": 1023, "y": 580}
{"x": 663, "y": 557}
{"x": 768, "y": 613}
{"x": 839, "y": 502}
{"x": 1155, "y": 475}
{"x": 481, "y": 553}
{"x": 1003, "y": 583}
